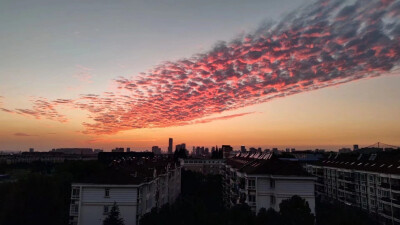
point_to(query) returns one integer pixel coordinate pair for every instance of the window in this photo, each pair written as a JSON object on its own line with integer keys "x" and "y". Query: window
{"x": 272, "y": 200}
{"x": 75, "y": 192}
{"x": 385, "y": 194}
{"x": 106, "y": 209}
{"x": 371, "y": 178}
{"x": 107, "y": 192}
{"x": 363, "y": 177}
{"x": 252, "y": 198}
{"x": 371, "y": 190}
{"x": 272, "y": 183}
{"x": 252, "y": 184}
{"x": 75, "y": 208}
{"x": 364, "y": 200}
{"x": 364, "y": 205}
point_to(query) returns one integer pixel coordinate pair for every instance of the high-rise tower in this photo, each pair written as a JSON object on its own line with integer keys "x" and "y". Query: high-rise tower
{"x": 170, "y": 144}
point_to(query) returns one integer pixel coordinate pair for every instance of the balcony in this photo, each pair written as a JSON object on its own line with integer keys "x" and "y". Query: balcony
{"x": 386, "y": 213}
{"x": 396, "y": 202}
{"x": 252, "y": 204}
{"x": 251, "y": 187}
{"x": 74, "y": 196}
{"x": 73, "y": 210}
{"x": 386, "y": 200}
{"x": 396, "y": 187}
{"x": 396, "y": 216}
{"x": 350, "y": 179}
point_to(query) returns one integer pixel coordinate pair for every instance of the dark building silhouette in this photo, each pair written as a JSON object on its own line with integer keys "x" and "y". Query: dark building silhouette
{"x": 118, "y": 150}
{"x": 226, "y": 151}
{"x": 156, "y": 150}
{"x": 111, "y": 156}
{"x": 81, "y": 151}
{"x": 170, "y": 144}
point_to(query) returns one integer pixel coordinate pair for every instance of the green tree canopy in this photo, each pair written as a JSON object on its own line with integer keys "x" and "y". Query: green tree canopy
{"x": 268, "y": 217}
{"x": 113, "y": 217}
{"x": 240, "y": 215}
{"x": 295, "y": 211}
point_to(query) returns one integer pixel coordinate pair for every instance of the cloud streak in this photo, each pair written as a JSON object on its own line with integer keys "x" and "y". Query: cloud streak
{"x": 208, "y": 120}
{"x": 325, "y": 44}
{"x": 23, "y": 135}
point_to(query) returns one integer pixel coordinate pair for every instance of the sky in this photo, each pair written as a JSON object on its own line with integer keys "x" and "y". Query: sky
{"x": 288, "y": 73}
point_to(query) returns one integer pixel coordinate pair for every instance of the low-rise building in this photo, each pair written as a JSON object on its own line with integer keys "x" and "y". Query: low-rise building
{"x": 367, "y": 181}
{"x": 147, "y": 184}
{"x": 262, "y": 180}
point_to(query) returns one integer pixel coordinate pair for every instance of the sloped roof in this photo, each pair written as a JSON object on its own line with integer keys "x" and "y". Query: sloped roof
{"x": 381, "y": 162}
{"x": 131, "y": 171}
{"x": 272, "y": 165}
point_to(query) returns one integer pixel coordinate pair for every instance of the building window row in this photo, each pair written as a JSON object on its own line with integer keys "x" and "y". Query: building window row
{"x": 107, "y": 192}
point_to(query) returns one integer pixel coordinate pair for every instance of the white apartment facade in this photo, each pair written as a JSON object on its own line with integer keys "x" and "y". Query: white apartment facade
{"x": 264, "y": 182}
{"x": 369, "y": 182}
{"x": 91, "y": 203}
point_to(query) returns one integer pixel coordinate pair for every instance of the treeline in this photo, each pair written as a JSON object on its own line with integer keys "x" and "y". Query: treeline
{"x": 336, "y": 213}
{"x": 201, "y": 203}
{"x": 42, "y": 195}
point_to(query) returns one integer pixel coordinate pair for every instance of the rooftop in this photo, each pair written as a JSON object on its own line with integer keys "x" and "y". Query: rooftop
{"x": 266, "y": 163}
{"x": 382, "y": 162}
{"x": 130, "y": 171}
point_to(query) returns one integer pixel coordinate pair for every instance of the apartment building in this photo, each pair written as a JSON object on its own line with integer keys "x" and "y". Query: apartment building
{"x": 263, "y": 181}
{"x": 137, "y": 186}
{"x": 367, "y": 181}
{"x": 204, "y": 166}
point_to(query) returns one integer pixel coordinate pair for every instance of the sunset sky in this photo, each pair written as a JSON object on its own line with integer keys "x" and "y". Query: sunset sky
{"x": 107, "y": 74}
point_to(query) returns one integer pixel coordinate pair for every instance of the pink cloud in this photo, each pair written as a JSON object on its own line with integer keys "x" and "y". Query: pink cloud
{"x": 326, "y": 44}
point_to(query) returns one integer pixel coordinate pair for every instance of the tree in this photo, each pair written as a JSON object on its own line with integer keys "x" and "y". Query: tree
{"x": 268, "y": 217}
{"x": 295, "y": 211}
{"x": 336, "y": 213}
{"x": 240, "y": 214}
{"x": 114, "y": 217}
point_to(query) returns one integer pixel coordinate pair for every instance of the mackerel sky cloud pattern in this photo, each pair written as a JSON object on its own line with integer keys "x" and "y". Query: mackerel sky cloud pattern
{"x": 325, "y": 44}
